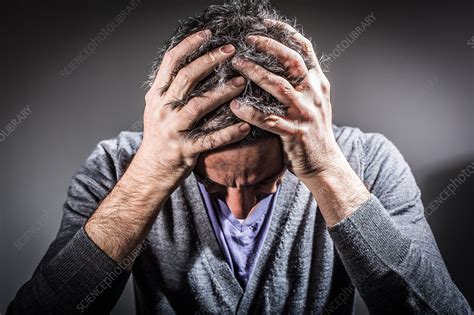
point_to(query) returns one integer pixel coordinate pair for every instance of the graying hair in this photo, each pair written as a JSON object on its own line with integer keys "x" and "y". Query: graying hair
{"x": 230, "y": 23}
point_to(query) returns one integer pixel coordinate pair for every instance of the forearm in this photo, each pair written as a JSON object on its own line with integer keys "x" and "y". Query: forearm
{"x": 57, "y": 287}
{"x": 124, "y": 218}
{"x": 394, "y": 272}
{"x": 395, "y": 267}
{"x": 166, "y": 155}
{"x": 337, "y": 189}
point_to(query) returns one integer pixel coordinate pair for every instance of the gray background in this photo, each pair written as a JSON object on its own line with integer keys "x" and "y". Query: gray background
{"x": 408, "y": 76}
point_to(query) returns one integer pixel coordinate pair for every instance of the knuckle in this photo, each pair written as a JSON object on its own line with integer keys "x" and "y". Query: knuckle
{"x": 209, "y": 141}
{"x": 325, "y": 86}
{"x": 211, "y": 58}
{"x": 318, "y": 102}
{"x": 187, "y": 42}
{"x": 283, "y": 86}
{"x": 307, "y": 45}
{"x": 255, "y": 70}
{"x": 294, "y": 59}
{"x": 194, "y": 107}
{"x": 148, "y": 97}
{"x": 268, "y": 43}
{"x": 225, "y": 137}
{"x": 253, "y": 115}
{"x": 271, "y": 122}
{"x": 267, "y": 78}
{"x": 299, "y": 60}
{"x": 184, "y": 76}
{"x": 296, "y": 65}
{"x": 220, "y": 93}
{"x": 169, "y": 57}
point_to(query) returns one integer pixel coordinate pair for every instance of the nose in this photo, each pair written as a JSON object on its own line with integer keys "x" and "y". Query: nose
{"x": 241, "y": 201}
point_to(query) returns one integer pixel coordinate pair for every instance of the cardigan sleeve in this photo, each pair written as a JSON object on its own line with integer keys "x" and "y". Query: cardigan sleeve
{"x": 387, "y": 246}
{"x": 76, "y": 276}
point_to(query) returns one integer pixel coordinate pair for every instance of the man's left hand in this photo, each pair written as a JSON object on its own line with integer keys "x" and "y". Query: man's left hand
{"x": 310, "y": 147}
{"x": 306, "y": 131}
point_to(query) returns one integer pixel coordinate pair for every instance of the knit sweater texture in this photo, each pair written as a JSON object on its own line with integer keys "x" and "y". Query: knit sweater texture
{"x": 385, "y": 249}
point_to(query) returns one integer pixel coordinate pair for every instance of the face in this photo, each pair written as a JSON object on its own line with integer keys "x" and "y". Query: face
{"x": 242, "y": 175}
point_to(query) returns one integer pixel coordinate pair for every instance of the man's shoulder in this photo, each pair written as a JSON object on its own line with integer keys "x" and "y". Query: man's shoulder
{"x": 126, "y": 143}
{"x": 129, "y": 141}
{"x": 347, "y": 136}
{"x": 366, "y": 151}
{"x": 114, "y": 154}
{"x": 352, "y": 140}
{"x": 360, "y": 148}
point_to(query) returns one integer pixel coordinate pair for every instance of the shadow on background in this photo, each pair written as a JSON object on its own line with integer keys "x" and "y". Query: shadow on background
{"x": 451, "y": 223}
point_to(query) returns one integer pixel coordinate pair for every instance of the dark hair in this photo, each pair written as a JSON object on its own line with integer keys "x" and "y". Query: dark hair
{"x": 230, "y": 23}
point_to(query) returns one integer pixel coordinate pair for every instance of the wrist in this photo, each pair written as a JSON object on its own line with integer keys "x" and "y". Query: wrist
{"x": 338, "y": 190}
{"x": 153, "y": 176}
{"x": 329, "y": 161}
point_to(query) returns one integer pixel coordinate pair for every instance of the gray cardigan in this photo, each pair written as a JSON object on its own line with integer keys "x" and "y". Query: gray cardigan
{"x": 385, "y": 249}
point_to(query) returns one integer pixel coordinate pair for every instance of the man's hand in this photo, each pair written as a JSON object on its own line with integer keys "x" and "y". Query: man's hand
{"x": 165, "y": 156}
{"x": 311, "y": 150}
{"x": 306, "y": 131}
{"x": 165, "y": 147}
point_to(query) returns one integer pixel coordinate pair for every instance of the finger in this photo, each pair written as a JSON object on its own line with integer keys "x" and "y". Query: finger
{"x": 272, "y": 123}
{"x": 289, "y": 58}
{"x": 189, "y": 76}
{"x": 199, "y": 106}
{"x": 278, "y": 86}
{"x": 306, "y": 45}
{"x": 221, "y": 138}
{"x": 175, "y": 55}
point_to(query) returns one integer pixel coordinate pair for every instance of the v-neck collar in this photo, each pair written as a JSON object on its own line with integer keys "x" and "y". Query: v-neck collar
{"x": 221, "y": 272}
{"x": 255, "y": 217}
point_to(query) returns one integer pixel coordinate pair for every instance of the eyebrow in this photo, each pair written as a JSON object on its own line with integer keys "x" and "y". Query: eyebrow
{"x": 207, "y": 181}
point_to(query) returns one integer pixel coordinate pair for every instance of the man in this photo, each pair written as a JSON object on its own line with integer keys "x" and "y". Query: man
{"x": 241, "y": 196}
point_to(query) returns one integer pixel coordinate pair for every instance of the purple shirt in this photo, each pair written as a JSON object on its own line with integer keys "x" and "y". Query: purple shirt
{"x": 240, "y": 240}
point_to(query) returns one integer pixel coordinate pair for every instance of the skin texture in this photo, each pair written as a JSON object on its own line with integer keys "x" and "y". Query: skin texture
{"x": 242, "y": 175}
{"x": 165, "y": 157}
{"x": 308, "y": 141}
{"x": 305, "y": 143}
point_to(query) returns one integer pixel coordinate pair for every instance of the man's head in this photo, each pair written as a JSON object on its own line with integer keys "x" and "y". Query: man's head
{"x": 250, "y": 168}
{"x": 230, "y": 23}
{"x": 242, "y": 175}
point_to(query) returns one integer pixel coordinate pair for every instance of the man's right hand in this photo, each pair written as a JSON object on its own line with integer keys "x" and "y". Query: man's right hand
{"x": 165, "y": 151}
{"x": 165, "y": 156}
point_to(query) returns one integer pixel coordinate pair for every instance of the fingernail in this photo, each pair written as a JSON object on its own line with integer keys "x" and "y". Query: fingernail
{"x": 244, "y": 127}
{"x": 205, "y": 34}
{"x": 227, "y": 49}
{"x": 238, "y": 82}
{"x": 234, "y": 105}
{"x": 268, "y": 22}
{"x": 238, "y": 61}
{"x": 252, "y": 38}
